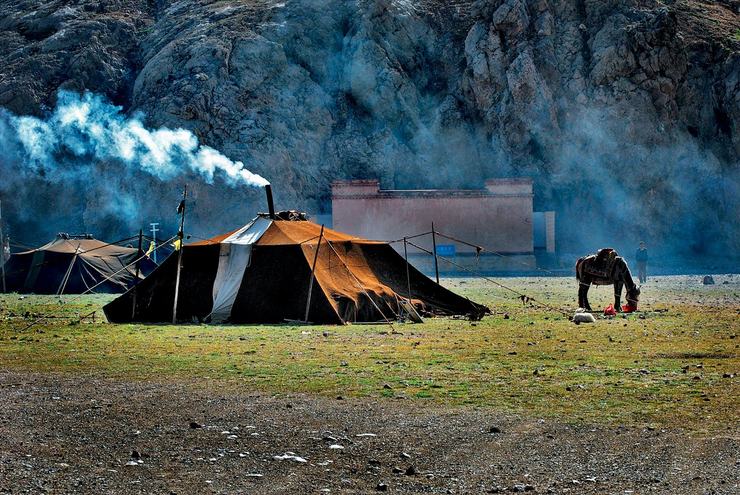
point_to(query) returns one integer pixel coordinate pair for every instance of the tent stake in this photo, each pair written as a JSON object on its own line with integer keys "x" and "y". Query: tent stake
{"x": 138, "y": 270}
{"x": 180, "y": 237}
{"x": 313, "y": 270}
{"x": 408, "y": 276}
{"x": 434, "y": 250}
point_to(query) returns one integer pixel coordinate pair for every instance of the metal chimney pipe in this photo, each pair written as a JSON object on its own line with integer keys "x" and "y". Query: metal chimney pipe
{"x": 270, "y": 204}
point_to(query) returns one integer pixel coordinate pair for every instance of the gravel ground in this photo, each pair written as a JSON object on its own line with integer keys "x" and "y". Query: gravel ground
{"x": 80, "y": 434}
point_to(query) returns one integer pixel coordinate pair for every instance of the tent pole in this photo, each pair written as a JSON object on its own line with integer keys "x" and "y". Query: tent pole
{"x": 138, "y": 271}
{"x": 313, "y": 271}
{"x": 180, "y": 237}
{"x": 434, "y": 250}
{"x": 154, "y": 239}
{"x": 2, "y": 248}
{"x": 408, "y": 276}
{"x": 63, "y": 285}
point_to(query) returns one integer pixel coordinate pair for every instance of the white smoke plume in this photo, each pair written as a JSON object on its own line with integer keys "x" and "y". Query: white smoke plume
{"x": 87, "y": 128}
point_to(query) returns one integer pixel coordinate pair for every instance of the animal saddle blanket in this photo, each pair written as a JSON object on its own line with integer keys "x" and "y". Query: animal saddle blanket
{"x": 600, "y": 265}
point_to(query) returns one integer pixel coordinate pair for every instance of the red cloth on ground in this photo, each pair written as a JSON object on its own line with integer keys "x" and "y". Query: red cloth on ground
{"x": 610, "y": 311}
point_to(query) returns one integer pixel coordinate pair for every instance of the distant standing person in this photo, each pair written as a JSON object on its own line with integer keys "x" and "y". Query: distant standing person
{"x": 642, "y": 258}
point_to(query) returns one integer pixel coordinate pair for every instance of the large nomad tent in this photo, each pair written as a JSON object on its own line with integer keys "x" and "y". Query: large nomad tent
{"x": 261, "y": 273}
{"x": 73, "y": 265}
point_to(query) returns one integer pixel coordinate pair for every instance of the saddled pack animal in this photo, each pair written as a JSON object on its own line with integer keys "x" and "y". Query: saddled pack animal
{"x": 606, "y": 267}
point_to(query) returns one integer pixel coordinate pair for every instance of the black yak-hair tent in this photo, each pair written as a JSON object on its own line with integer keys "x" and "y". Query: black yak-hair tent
{"x": 74, "y": 265}
{"x": 262, "y": 273}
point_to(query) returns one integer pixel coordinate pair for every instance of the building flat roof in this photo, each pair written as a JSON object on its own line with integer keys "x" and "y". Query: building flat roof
{"x": 370, "y": 188}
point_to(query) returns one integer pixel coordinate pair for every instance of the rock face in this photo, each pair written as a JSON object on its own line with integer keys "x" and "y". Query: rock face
{"x": 626, "y": 113}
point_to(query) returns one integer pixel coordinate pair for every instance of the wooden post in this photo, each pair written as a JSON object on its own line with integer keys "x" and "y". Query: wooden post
{"x": 313, "y": 270}
{"x": 2, "y": 248}
{"x": 408, "y": 276}
{"x": 434, "y": 251}
{"x": 139, "y": 254}
{"x": 181, "y": 237}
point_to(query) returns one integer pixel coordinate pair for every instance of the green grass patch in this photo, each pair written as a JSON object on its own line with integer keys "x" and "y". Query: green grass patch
{"x": 673, "y": 364}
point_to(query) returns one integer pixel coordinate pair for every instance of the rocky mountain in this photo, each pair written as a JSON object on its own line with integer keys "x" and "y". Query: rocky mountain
{"x": 626, "y": 112}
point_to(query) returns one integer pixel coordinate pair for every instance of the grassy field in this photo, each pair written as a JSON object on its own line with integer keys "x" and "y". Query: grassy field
{"x": 673, "y": 364}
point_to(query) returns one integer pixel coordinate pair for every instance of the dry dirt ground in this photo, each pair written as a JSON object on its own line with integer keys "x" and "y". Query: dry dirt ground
{"x": 66, "y": 433}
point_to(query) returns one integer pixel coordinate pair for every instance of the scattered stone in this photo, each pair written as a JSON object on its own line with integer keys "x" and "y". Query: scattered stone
{"x": 387, "y": 387}
{"x": 404, "y": 455}
{"x": 325, "y": 333}
{"x": 253, "y": 475}
{"x": 135, "y": 454}
{"x": 336, "y": 446}
{"x": 195, "y": 426}
{"x": 381, "y": 487}
{"x": 728, "y": 375}
{"x": 494, "y": 429}
{"x": 290, "y": 456}
{"x": 520, "y": 487}
{"x": 397, "y": 470}
{"x": 362, "y": 435}
{"x": 410, "y": 471}
{"x": 708, "y": 280}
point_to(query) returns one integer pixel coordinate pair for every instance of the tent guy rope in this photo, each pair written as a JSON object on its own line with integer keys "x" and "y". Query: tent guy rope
{"x": 75, "y": 298}
{"x": 524, "y": 297}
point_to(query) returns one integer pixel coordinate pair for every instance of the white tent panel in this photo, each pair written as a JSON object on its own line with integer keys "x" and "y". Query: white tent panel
{"x": 235, "y": 257}
{"x": 251, "y": 233}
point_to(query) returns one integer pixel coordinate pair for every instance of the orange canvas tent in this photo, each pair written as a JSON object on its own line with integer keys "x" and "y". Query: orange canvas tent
{"x": 264, "y": 272}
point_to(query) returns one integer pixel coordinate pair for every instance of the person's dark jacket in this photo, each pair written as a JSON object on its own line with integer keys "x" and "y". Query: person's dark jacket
{"x": 641, "y": 255}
